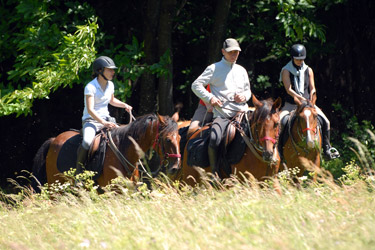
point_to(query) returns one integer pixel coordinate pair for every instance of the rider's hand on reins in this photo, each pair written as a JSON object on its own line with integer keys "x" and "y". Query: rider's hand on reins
{"x": 239, "y": 98}
{"x": 109, "y": 125}
{"x": 128, "y": 108}
{"x": 216, "y": 102}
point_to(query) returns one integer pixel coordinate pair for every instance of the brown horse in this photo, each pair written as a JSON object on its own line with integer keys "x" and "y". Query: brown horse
{"x": 260, "y": 159}
{"x": 149, "y": 131}
{"x": 304, "y": 140}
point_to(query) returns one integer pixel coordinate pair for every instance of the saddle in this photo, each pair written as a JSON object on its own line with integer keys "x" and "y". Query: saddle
{"x": 67, "y": 157}
{"x": 230, "y": 152}
{"x": 231, "y": 129}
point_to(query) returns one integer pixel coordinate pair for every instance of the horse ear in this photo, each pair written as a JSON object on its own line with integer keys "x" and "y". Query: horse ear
{"x": 313, "y": 99}
{"x": 256, "y": 102}
{"x": 161, "y": 119}
{"x": 175, "y": 117}
{"x": 277, "y": 104}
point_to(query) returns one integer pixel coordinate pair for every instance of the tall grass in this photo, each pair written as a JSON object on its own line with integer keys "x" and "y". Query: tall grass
{"x": 242, "y": 217}
{"x": 329, "y": 214}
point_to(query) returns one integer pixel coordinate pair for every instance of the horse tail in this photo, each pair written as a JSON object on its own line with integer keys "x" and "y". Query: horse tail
{"x": 39, "y": 166}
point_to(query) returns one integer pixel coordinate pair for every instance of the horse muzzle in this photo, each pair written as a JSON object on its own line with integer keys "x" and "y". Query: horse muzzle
{"x": 175, "y": 166}
{"x": 267, "y": 156}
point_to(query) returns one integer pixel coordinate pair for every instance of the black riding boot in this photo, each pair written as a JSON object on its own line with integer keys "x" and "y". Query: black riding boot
{"x": 329, "y": 151}
{"x": 282, "y": 135}
{"x": 81, "y": 159}
{"x": 212, "y": 157}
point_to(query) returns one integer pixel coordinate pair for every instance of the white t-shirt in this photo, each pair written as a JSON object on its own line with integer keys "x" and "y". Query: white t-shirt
{"x": 101, "y": 98}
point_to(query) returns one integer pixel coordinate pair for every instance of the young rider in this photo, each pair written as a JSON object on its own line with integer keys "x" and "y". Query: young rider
{"x": 98, "y": 94}
{"x": 298, "y": 80}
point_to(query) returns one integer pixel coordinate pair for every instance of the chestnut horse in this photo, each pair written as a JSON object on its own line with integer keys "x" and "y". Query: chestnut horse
{"x": 260, "y": 158}
{"x": 304, "y": 137}
{"x": 149, "y": 131}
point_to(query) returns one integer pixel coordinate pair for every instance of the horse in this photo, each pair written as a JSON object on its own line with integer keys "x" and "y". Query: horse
{"x": 304, "y": 137}
{"x": 122, "y": 153}
{"x": 260, "y": 157}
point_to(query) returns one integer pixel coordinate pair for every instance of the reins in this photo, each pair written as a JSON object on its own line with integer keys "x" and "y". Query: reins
{"x": 249, "y": 140}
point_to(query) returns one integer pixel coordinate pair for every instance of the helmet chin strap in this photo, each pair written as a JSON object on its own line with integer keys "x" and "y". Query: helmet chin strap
{"x": 101, "y": 73}
{"x": 105, "y": 78}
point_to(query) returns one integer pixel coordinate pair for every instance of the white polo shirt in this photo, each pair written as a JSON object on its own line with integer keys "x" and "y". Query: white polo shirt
{"x": 101, "y": 98}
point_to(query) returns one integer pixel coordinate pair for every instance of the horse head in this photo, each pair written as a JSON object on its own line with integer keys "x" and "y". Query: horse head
{"x": 307, "y": 119}
{"x": 168, "y": 144}
{"x": 265, "y": 126}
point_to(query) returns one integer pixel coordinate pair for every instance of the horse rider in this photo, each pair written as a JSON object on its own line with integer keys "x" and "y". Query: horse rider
{"x": 230, "y": 91}
{"x": 298, "y": 81}
{"x": 98, "y": 94}
{"x": 202, "y": 115}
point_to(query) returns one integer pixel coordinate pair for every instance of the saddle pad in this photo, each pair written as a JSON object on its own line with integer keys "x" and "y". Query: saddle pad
{"x": 67, "y": 157}
{"x": 237, "y": 147}
{"x": 197, "y": 150}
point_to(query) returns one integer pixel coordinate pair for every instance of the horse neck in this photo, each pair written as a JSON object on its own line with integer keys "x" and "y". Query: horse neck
{"x": 153, "y": 135}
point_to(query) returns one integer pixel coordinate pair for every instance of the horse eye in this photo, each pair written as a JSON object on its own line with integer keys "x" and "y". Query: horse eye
{"x": 168, "y": 140}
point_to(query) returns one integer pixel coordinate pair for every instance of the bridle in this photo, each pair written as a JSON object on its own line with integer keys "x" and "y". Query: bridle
{"x": 301, "y": 137}
{"x": 254, "y": 144}
{"x": 159, "y": 143}
{"x": 265, "y": 138}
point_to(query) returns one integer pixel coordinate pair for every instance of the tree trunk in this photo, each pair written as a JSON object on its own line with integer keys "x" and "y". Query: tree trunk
{"x": 218, "y": 30}
{"x": 148, "y": 81}
{"x": 165, "y": 88}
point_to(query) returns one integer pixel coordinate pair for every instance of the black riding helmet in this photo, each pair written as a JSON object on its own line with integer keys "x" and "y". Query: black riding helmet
{"x": 298, "y": 51}
{"x": 102, "y": 62}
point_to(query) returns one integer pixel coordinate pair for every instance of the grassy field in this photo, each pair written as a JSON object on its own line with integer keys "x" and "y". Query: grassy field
{"x": 324, "y": 216}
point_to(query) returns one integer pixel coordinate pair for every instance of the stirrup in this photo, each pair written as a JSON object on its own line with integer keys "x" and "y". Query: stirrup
{"x": 332, "y": 153}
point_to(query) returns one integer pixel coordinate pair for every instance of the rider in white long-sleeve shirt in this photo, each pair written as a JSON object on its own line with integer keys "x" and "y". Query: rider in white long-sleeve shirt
{"x": 230, "y": 91}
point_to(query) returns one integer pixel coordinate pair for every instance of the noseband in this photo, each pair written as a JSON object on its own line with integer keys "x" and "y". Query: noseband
{"x": 161, "y": 146}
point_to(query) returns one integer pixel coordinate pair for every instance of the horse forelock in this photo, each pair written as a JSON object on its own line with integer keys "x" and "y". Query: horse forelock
{"x": 169, "y": 125}
{"x": 261, "y": 113}
{"x": 304, "y": 104}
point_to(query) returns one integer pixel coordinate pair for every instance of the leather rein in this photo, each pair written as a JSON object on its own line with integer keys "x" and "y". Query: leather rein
{"x": 252, "y": 144}
{"x": 125, "y": 162}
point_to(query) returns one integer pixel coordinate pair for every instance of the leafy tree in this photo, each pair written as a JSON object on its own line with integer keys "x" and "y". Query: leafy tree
{"x": 52, "y": 48}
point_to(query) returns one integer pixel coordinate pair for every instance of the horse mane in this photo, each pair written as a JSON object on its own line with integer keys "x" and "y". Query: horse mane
{"x": 138, "y": 128}
{"x": 261, "y": 113}
{"x": 303, "y": 105}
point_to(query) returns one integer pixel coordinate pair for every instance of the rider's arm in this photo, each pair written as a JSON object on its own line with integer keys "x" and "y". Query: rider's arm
{"x": 246, "y": 94}
{"x": 312, "y": 83}
{"x": 288, "y": 86}
{"x": 117, "y": 103}
{"x": 198, "y": 86}
{"x": 93, "y": 114}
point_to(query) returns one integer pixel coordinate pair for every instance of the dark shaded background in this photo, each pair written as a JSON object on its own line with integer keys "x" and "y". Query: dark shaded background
{"x": 344, "y": 69}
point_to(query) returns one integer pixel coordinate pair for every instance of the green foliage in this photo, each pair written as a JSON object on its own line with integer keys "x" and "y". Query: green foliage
{"x": 356, "y": 144}
{"x": 131, "y": 67}
{"x": 49, "y": 53}
{"x": 262, "y": 82}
